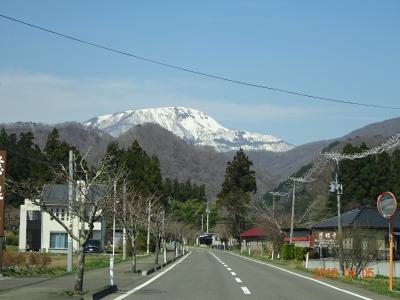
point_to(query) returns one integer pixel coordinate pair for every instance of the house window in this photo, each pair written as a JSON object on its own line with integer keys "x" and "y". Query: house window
{"x": 58, "y": 240}
{"x": 34, "y": 215}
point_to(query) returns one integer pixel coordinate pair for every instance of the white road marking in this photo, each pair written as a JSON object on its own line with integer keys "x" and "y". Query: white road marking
{"x": 238, "y": 280}
{"x": 305, "y": 277}
{"x": 233, "y": 273}
{"x": 229, "y": 269}
{"x": 150, "y": 280}
{"x": 245, "y": 290}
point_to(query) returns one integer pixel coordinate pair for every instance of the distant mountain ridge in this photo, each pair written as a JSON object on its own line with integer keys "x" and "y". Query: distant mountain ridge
{"x": 181, "y": 160}
{"x": 191, "y": 125}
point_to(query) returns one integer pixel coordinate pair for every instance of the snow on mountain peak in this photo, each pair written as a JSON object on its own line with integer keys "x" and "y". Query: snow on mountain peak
{"x": 193, "y": 126}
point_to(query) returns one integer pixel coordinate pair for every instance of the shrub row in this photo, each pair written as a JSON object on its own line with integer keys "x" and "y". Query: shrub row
{"x": 27, "y": 260}
{"x": 290, "y": 251}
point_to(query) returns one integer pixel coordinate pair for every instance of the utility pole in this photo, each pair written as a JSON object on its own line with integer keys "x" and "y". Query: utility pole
{"x": 273, "y": 200}
{"x": 338, "y": 188}
{"x": 3, "y": 162}
{"x": 70, "y": 196}
{"x": 163, "y": 237}
{"x": 273, "y": 205}
{"x": 295, "y": 179}
{"x": 124, "y": 229}
{"x": 208, "y": 213}
{"x": 292, "y": 217}
{"x": 148, "y": 229}
{"x": 202, "y": 224}
{"x": 113, "y": 237}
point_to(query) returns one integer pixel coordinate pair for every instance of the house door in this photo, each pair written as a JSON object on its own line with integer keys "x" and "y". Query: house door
{"x": 33, "y": 230}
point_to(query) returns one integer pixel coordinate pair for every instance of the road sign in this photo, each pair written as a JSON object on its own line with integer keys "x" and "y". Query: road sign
{"x": 386, "y": 204}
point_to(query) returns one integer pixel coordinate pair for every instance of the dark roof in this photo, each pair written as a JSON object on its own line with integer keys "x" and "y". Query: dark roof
{"x": 297, "y": 232}
{"x": 57, "y": 194}
{"x": 362, "y": 217}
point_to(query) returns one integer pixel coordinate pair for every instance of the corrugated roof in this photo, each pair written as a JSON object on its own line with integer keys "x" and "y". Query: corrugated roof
{"x": 57, "y": 194}
{"x": 253, "y": 232}
{"x": 362, "y": 217}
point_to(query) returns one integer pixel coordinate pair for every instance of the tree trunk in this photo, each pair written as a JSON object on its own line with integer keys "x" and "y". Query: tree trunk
{"x": 81, "y": 268}
{"x": 157, "y": 250}
{"x": 133, "y": 255}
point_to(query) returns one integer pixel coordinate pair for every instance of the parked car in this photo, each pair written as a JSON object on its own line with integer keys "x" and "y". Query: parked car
{"x": 93, "y": 246}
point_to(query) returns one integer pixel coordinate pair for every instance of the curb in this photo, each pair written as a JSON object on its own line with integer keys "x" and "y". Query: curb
{"x": 102, "y": 292}
{"x": 158, "y": 267}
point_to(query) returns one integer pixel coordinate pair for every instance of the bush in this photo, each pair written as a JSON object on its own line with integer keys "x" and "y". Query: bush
{"x": 27, "y": 260}
{"x": 32, "y": 259}
{"x": 8, "y": 260}
{"x": 293, "y": 252}
{"x": 46, "y": 259}
{"x": 288, "y": 251}
{"x": 300, "y": 253}
{"x": 11, "y": 238}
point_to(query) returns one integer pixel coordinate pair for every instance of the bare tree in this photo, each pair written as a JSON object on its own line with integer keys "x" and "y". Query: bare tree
{"x": 157, "y": 215}
{"x": 271, "y": 222}
{"x": 132, "y": 207}
{"x": 93, "y": 192}
{"x": 360, "y": 249}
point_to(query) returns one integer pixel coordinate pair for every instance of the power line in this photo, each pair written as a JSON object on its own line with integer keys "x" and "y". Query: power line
{"x": 388, "y": 144}
{"x": 185, "y": 69}
{"x": 30, "y": 158}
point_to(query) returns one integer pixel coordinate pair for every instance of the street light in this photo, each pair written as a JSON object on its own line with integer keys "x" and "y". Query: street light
{"x": 300, "y": 180}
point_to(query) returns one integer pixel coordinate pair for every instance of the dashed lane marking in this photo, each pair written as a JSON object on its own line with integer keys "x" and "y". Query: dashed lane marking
{"x": 238, "y": 280}
{"x": 150, "y": 280}
{"x": 305, "y": 277}
{"x": 245, "y": 290}
{"x": 233, "y": 273}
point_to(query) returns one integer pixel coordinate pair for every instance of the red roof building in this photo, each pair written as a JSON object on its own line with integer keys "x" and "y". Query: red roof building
{"x": 252, "y": 233}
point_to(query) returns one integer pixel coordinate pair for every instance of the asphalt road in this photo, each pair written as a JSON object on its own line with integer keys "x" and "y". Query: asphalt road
{"x": 212, "y": 275}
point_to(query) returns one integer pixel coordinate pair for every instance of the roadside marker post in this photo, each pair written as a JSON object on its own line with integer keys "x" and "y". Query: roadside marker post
{"x": 387, "y": 205}
{"x": 307, "y": 255}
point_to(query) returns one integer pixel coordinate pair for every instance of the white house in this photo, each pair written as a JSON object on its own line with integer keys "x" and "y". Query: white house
{"x": 39, "y": 232}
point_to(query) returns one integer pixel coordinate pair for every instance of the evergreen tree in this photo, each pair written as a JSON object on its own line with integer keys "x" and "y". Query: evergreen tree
{"x": 239, "y": 182}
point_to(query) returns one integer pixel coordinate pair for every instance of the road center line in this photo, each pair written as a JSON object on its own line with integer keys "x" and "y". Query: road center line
{"x": 305, "y": 277}
{"x": 238, "y": 279}
{"x": 233, "y": 273}
{"x": 245, "y": 290}
{"x": 229, "y": 269}
{"x": 151, "y": 280}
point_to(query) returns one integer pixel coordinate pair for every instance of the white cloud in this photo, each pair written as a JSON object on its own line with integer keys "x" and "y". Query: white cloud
{"x": 50, "y": 99}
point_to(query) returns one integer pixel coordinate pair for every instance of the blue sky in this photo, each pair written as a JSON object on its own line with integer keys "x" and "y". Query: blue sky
{"x": 340, "y": 49}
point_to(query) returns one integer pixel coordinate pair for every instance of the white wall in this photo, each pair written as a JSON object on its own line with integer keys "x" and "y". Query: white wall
{"x": 22, "y": 222}
{"x": 379, "y": 267}
{"x": 49, "y": 226}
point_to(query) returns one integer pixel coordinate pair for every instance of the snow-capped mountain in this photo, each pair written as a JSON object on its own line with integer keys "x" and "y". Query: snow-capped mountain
{"x": 193, "y": 126}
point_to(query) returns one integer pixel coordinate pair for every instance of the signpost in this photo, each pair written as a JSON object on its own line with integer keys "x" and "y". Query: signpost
{"x": 387, "y": 205}
{"x": 3, "y": 156}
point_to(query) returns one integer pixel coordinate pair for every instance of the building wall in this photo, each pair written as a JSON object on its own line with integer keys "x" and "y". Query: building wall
{"x": 49, "y": 226}
{"x": 379, "y": 267}
{"x": 23, "y": 221}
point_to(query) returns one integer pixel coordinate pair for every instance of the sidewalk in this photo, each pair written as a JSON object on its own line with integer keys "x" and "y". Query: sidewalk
{"x": 35, "y": 288}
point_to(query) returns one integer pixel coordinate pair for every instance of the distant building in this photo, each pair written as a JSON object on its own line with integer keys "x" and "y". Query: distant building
{"x": 325, "y": 234}
{"x": 38, "y": 231}
{"x": 302, "y": 237}
{"x": 254, "y": 238}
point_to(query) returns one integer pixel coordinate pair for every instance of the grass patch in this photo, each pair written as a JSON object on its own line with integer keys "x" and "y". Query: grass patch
{"x": 58, "y": 266}
{"x": 378, "y": 284}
